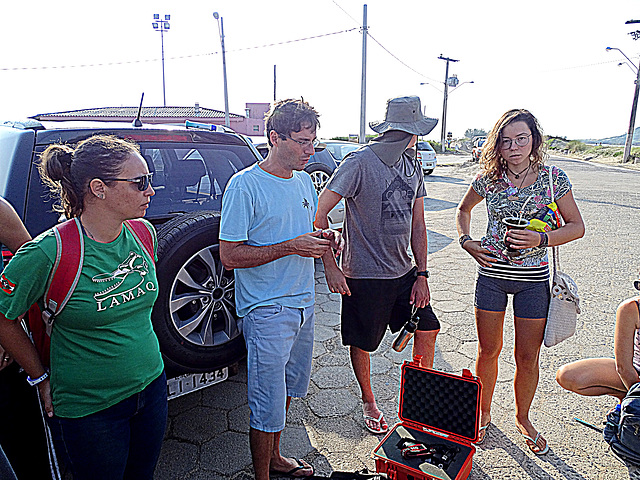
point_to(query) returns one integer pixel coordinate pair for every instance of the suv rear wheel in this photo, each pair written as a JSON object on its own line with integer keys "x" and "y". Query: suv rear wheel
{"x": 320, "y": 175}
{"x": 195, "y": 317}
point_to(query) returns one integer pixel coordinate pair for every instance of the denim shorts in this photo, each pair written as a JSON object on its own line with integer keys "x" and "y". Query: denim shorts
{"x": 530, "y": 299}
{"x": 279, "y": 351}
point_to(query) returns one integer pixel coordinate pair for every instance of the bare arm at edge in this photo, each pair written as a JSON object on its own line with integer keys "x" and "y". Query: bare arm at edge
{"x": 13, "y": 233}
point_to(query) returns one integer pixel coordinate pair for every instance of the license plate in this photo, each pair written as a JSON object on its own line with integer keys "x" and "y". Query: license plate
{"x": 190, "y": 382}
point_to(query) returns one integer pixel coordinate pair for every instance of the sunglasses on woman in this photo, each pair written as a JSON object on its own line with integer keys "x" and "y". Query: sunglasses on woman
{"x": 143, "y": 181}
{"x": 636, "y": 284}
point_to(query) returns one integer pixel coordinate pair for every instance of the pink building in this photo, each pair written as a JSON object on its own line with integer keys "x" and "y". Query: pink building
{"x": 252, "y": 123}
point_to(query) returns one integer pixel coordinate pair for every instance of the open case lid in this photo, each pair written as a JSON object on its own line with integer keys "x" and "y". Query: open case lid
{"x": 440, "y": 401}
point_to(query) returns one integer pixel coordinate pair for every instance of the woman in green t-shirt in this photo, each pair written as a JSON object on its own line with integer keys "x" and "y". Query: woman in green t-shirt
{"x": 105, "y": 394}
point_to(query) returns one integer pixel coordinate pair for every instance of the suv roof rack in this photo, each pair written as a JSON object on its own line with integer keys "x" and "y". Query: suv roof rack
{"x": 28, "y": 124}
{"x": 208, "y": 126}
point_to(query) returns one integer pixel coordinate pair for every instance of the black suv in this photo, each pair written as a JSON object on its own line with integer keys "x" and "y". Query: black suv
{"x": 195, "y": 317}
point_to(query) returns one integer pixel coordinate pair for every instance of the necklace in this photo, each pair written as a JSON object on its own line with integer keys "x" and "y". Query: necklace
{"x": 88, "y": 232}
{"x": 517, "y": 175}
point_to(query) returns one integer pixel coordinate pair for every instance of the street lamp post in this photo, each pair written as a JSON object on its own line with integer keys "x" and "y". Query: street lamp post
{"x": 632, "y": 121}
{"x": 443, "y": 135}
{"x": 224, "y": 67}
{"x": 162, "y": 26}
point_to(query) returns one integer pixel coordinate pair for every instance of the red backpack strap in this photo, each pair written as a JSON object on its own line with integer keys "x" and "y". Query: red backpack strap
{"x": 66, "y": 269}
{"x": 143, "y": 234}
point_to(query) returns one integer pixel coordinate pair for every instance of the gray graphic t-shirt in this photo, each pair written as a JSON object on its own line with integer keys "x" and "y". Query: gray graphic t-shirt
{"x": 378, "y": 205}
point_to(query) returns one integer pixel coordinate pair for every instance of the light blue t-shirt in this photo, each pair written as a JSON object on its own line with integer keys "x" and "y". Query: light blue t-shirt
{"x": 261, "y": 209}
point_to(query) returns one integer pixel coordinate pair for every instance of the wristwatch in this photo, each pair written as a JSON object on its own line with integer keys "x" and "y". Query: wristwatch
{"x": 464, "y": 238}
{"x": 424, "y": 273}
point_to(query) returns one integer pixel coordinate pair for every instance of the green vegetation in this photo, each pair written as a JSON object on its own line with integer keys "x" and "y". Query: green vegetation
{"x": 474, "y": 132}
{"x": 587, "y": 152}
{"x": 435, "y": 145}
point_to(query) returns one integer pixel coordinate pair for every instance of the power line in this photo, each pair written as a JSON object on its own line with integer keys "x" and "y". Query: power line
{"x": 180, "y": 57}
{"x": 572, "y": 67}
{"x": 403, "y": 63}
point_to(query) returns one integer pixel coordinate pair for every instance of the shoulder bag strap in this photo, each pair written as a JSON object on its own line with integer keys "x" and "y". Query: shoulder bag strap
{"x": 555, "y": 252}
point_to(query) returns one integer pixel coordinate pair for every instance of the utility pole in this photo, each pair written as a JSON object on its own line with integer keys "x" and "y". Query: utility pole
{"x": 443, "y": 135}
{"x": 363, "y": 85}
{"x": 632, "y": 121}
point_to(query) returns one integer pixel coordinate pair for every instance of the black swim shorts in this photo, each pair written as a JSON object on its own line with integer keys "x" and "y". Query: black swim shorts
{"x": 374, "y": 304}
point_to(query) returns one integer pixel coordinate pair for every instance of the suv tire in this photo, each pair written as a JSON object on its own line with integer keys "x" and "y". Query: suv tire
{"x": 195, "y": 317}
{"x": 320, "y": 175}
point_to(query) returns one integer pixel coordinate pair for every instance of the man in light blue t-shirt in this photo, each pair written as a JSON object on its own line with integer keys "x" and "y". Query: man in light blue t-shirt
{"x": 267, "y": 236}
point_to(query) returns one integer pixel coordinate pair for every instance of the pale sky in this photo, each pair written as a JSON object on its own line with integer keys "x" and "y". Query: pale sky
{"x": 546, "y": 56}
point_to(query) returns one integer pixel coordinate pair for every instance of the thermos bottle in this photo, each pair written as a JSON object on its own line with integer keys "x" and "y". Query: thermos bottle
{"x": 406, "y": 333}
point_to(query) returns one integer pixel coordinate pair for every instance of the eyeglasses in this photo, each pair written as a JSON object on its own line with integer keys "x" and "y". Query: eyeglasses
{"x": 304, "y": 143}
{"x": 520, "y": 140}
{"x": 636, "y": 284}
{"x": 143, "y": 181}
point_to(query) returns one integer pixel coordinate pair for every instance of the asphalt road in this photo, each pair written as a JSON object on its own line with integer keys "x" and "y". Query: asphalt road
{"x": 207, "y": 436}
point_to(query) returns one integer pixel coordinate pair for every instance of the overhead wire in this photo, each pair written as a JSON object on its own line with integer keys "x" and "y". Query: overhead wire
{"x": 180, "y": 57}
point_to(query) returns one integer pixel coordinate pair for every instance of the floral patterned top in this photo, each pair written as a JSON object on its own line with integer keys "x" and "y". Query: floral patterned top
{"x": 504, "y": 200}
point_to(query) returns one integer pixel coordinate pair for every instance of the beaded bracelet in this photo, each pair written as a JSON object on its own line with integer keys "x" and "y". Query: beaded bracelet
{"x": 544, "y": 240}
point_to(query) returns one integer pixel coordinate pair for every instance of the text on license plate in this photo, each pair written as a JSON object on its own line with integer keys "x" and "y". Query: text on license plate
{"x": 189, "y": 382}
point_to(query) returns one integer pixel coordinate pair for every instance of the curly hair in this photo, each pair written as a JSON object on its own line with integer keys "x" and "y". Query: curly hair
{"x": 290, "y": 115}
{"x": 67, "y": 171}
{"x": 491, "y": 161}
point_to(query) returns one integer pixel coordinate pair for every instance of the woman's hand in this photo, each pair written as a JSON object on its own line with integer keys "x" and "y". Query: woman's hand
{"x": 479, "y": 253}
{"x": 521, "y": 239}
{"x": 45, "y": 396}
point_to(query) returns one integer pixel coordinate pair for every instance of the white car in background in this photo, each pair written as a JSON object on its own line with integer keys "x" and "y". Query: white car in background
{"x": 426, "y": 157}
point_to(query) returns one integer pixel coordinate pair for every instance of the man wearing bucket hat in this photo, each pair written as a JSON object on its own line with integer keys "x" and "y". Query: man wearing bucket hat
{"x": 383, "y": 188}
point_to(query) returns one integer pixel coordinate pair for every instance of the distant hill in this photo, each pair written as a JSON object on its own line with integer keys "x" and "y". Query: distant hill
{"x": 619, "y": 140}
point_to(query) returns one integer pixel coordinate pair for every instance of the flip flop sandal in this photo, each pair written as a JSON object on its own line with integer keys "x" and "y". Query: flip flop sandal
{"x": 533, "y": 446}
{"x": 482, "y": 433}
{"x": 376, "y": 420}
{"x": 292, "y": 473}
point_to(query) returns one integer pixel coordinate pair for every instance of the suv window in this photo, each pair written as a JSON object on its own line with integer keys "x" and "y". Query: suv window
{"x": 191, "y": 177}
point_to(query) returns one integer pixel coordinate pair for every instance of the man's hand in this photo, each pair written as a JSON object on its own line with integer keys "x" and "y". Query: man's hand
{"x": 420, "y": 295}
{"x": 310, "y": 244}
{"x": 337, "y": 241}
{"x": 336, "y": 280}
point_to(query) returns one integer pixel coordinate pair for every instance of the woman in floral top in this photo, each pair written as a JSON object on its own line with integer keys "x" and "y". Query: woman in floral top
{"x": 515, "y": 183}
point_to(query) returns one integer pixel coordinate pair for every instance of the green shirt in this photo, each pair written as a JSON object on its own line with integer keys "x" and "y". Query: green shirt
{"x": 103, "y": 348}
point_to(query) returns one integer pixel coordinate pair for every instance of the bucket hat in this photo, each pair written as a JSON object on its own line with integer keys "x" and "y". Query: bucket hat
{"x": 405, "y": 114}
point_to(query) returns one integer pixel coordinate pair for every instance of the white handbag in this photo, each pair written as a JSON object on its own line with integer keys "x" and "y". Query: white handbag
{"x": 564, "y": 306}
